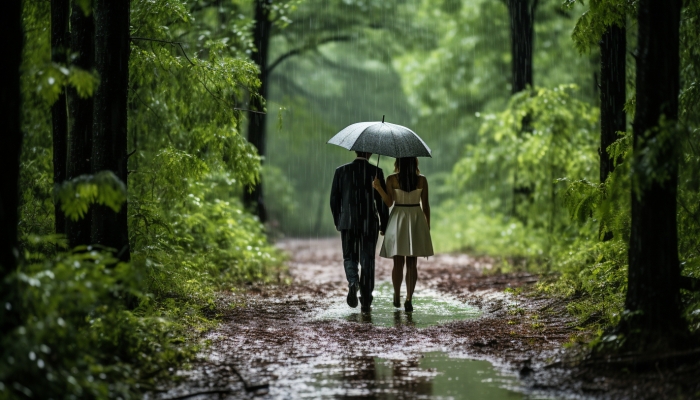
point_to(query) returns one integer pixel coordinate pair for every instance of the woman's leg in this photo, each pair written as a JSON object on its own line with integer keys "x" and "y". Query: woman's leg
{"x": 411, "y": 276}
{"x": 397, "y": 275}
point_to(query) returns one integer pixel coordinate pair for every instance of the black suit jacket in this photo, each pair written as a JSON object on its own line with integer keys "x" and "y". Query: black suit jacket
{"x": 354, "y": 202}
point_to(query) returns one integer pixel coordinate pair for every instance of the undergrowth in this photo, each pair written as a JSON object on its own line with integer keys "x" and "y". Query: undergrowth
{"x": 560, "y": 222}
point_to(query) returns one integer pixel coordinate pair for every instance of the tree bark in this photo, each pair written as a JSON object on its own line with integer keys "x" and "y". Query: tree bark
{"x": 59, "y": 114}
{"x": 257, "y": 122}
{"x": 81, "y": 112}
{"x": 613, "y": 93}
{"x": 109, "y": 138}
{"x": 10, "y": 100}
{"x": 522, "y": 20}
{"x": 653, "y": 320}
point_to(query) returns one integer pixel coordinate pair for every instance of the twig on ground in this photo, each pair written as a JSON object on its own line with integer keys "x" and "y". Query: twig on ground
{"x": 215, "y": 391}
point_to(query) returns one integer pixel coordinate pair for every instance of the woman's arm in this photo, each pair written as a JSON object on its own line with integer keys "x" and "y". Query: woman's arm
{"x": 377, "y": 185}
{"x": 424, "y": 200}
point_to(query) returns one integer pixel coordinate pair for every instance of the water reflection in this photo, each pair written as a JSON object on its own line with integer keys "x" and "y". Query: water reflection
{"x": 430, "y": 308}
{"x": 433, "y": 375}
{"x": 403, "y": 318}
{"x": 371, "y": 377}
{"x": 365, "y": 317}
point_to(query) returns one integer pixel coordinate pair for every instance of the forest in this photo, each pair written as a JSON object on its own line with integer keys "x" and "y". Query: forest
{"x": 161, "y": 158}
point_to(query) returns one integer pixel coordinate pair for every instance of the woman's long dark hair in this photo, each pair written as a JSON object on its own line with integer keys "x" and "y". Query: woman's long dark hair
{"x": 407, "y": 168}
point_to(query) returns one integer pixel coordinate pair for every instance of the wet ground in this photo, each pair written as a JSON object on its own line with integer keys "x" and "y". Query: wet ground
{"x": 467, "y": 338}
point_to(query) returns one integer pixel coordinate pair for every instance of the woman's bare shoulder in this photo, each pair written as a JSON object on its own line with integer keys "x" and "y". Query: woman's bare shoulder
{"x": 392, "y": 180}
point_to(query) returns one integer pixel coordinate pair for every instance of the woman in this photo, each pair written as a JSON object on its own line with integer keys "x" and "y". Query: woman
{"x": 407, "y": 235}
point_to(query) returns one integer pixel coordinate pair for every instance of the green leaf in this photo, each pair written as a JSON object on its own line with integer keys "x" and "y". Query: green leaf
{"x": 77, "y": 195}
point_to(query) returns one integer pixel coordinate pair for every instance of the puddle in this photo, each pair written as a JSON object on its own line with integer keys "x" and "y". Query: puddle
{"x": 433, "y": 375}
{"x": 429, "y": 308}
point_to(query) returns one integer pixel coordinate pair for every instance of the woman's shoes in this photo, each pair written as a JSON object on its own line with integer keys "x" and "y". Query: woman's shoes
{"x": 408, "y": 306}
{"x": 397, "y": 301}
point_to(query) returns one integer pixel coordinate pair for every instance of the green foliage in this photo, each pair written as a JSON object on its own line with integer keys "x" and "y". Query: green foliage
{"x": 36, "y": 207}
{"x": 95, "y": 328}
{"x": 608, "y": 202}
{"x": 78, "y": 194}
{"x": 601, "y": 14}
{"x": 544, "y": 134}
{"x": 594, "y": 280}
{"x": 78, "y": 338}
{"x": 187, "y": 88}
{"x": 580, "y": 198}
{"x": 468, "y": 223}
{"x": 203, "y": 242}
{"x": 656, "y": 154}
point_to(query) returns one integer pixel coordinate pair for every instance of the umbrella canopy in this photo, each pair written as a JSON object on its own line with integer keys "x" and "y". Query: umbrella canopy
{"x": 382, "y": 138}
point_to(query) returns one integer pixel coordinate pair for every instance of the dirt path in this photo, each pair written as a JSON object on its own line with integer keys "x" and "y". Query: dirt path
{"x": 272, "y": 343}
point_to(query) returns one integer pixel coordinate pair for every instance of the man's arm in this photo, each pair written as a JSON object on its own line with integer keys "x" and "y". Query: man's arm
{"x": 336, "y": 198}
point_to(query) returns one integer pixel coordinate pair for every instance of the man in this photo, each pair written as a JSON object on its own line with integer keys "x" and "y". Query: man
{"x": 358, "y": 210}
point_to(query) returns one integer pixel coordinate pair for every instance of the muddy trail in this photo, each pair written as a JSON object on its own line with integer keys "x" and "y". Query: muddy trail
{"x": 468, "y": 337}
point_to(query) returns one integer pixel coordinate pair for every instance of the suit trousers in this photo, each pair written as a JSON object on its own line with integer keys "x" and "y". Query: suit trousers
{"x": 360, "y": 246}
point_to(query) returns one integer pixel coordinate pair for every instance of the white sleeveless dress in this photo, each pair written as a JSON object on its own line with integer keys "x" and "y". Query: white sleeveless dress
{"x": 407, "y": 232}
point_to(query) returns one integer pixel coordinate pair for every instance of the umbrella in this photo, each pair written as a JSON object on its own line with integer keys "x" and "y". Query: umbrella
{"x": 382, "y": 138}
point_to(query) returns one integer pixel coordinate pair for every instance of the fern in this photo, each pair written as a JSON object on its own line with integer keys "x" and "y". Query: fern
{"x": 581, "y": 197}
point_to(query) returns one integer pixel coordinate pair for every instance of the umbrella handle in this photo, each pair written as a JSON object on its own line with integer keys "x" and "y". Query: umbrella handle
{"x": 379, "y": 156}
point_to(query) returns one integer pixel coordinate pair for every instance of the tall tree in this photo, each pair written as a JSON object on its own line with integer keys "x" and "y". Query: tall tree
{"x": 80, "y": 110}
{"x": 613, "y": 92}
{"x": 10, "y": 99}
{"x": 256, "y": 118}
{"x": 603, "y": 25}
{"x": 522, "y": 35}
{"x": 109, "y": 139}
{"x": 59, "y": 114}
{"x": 653, "y": 295}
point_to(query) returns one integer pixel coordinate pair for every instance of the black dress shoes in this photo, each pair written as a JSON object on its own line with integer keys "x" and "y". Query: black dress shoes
{"x": 364, "y": 307}
{"x": 408, "y": 306}
{"x": 352, "y": 294}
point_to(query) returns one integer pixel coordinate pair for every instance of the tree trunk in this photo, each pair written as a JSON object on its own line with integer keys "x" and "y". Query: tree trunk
{"x": 10, "y": 100}
{"x": 613, "y": 93}
{"x": 522, "y": 20}
{"x": 81, "y": 111}
{"x": 109, "y": 138}
{"x": 257, "y": 122}
{"x": 653, "y": 296}
{"x": 59, "y": 115}
{"x": 613, "y": 81}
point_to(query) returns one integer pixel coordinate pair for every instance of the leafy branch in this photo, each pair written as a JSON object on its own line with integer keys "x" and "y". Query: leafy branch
{"x": 78, "y": 194}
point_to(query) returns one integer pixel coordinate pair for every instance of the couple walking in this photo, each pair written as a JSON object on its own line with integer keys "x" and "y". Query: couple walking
{"x": 360, "y": 201}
